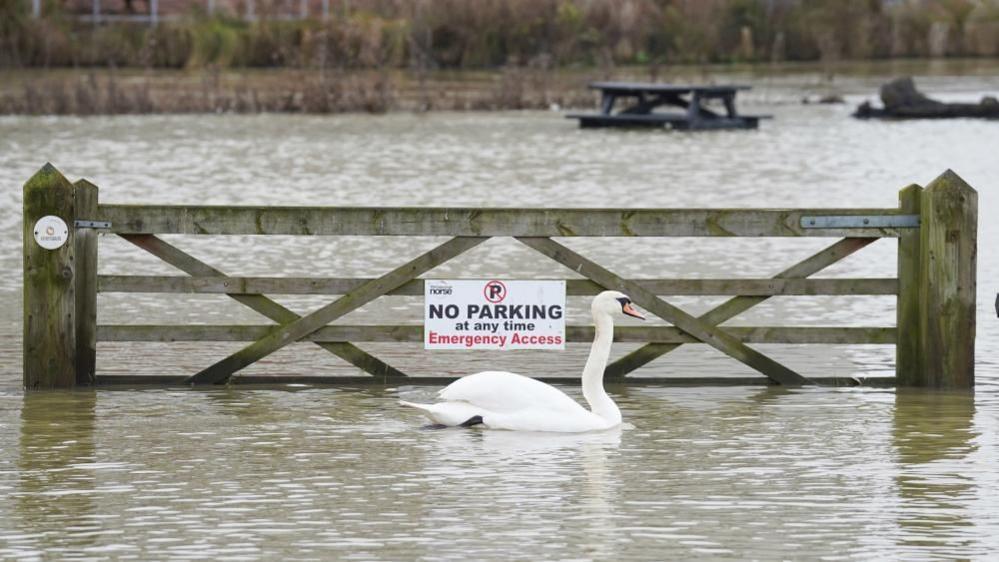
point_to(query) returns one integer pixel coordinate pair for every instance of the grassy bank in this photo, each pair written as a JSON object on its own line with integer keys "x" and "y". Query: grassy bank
{"x": 381, "y": 55}
{"x": 281, "y": 90}
{"x": 476, "y": 34}
{"x": 213, "y": 90}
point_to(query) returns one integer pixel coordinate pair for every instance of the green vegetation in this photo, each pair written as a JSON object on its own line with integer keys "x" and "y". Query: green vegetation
{"x": 382, "y": 55}
{"x": 495, "y": 33}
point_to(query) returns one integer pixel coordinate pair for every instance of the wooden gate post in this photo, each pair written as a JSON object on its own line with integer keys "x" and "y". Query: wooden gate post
{"x": 49, "y": 286}
{"x": 908, "y": 364}
{"x": 85, "y": 198}
{"x": 948, "y": 235}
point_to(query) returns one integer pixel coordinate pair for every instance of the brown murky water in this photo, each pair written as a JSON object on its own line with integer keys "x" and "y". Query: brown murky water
{"x": 320, "y": 473}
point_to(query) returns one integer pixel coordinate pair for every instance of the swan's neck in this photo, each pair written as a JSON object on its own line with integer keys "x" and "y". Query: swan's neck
{"x": 593, "y": 372}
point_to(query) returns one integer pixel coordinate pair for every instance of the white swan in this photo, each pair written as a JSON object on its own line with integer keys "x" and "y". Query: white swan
{"x": 500, "y": 400}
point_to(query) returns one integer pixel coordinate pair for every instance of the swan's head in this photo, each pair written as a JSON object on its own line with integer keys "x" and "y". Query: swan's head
{"x": 614, "y": 303}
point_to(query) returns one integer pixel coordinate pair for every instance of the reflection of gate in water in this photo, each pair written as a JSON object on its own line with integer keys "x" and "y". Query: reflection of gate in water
{"x": 935, "y": 288}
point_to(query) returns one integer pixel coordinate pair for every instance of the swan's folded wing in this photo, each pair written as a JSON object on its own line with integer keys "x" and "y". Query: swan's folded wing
{"x": 499, "y": 391}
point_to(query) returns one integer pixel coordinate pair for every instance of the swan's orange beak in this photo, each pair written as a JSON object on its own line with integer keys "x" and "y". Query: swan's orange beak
{"x": 630, "y": 311}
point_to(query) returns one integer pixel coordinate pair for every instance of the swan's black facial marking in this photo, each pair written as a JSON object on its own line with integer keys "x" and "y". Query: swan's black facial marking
{"x": 628, "y": 309}
{"x": 474, "y": 420}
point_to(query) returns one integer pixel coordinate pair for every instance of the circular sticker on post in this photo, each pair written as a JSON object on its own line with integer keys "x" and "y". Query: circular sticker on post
{"x": 51, "y": 232}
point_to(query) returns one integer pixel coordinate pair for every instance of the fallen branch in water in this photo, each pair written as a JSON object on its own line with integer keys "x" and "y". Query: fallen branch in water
{"x": 902, "y": 100}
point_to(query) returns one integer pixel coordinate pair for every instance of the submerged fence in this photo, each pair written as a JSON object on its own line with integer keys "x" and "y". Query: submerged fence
{"x": 935, "y": 288}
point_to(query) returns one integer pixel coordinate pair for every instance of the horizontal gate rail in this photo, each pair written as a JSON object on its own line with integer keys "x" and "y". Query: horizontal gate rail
{"x": 574, "y": 287}
{"x": 573, "y": 334}
{"x": 379, "y": 221}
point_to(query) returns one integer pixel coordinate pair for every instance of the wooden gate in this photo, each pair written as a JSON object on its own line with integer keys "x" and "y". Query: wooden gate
{"x": 935, "y": 287}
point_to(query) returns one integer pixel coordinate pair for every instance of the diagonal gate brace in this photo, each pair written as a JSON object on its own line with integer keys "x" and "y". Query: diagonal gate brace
{"x": 737, "y": 305}
{"x": 294, "y": 331}
{"x": 260, "y": 303}
{"x": 704, "y": 331}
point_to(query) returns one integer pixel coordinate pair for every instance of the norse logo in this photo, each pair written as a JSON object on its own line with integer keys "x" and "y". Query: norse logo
{"x": 440, "y": 290}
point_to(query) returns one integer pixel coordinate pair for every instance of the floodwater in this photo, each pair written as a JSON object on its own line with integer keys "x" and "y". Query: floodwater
{"x": 299, "y": 472}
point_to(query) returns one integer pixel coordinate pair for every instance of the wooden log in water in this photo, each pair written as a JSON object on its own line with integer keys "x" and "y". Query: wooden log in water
{"x": 49, "y": 337}
{"x": 902, "y": 100}
{"x": 948, "y": 245}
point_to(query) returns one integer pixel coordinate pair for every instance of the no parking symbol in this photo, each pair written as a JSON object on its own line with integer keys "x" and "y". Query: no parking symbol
{"x": 494, "y": 291}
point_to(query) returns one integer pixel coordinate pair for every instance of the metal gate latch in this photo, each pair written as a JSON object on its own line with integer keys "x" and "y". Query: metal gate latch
{"x": 860, "y": 221}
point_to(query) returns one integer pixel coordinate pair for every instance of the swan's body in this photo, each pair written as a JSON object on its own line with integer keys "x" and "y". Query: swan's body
{"x": 511, "y": 401}
{"x": 500, "y": 400}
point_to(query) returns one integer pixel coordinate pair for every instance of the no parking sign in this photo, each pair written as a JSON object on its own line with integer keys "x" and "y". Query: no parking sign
{"x": 494, "y": 314}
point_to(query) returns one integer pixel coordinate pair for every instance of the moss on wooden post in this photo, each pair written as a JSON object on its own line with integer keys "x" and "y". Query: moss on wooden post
{"x": 49, "y": 285}
{"x": 86, "y": 284}
{"x": 947, "y": 258}
{"x": 908, "y": 366}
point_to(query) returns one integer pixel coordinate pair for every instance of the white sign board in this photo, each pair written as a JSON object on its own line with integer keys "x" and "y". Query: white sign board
{"x": 51, "y": 232}
{"x": 493, "y": 314}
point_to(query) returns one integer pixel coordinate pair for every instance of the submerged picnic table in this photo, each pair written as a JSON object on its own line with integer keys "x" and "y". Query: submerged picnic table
{"x": 649, "y": 96}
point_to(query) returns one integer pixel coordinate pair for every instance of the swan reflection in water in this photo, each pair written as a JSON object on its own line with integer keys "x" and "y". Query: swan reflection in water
{"x": 556, "y": 485}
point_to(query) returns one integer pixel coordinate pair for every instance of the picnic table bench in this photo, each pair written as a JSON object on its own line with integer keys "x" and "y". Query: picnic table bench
{"x": 647, "y": 97}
